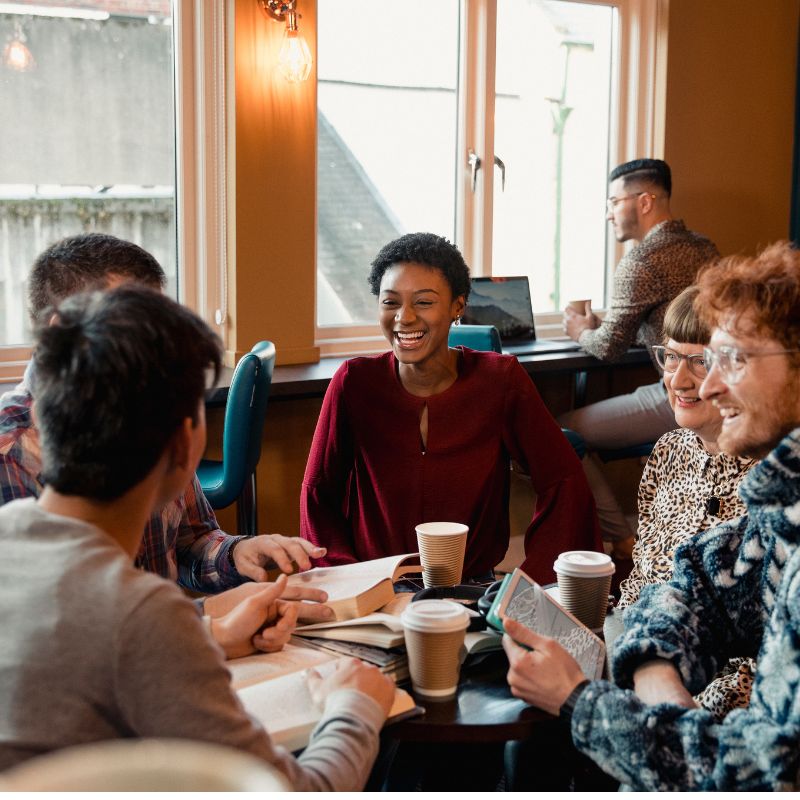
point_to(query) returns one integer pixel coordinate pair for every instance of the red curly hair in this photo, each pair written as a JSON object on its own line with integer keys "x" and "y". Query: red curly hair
{"x": 765, "y": 288}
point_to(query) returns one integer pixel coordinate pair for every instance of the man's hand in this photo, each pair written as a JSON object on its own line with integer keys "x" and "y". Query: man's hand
{"x": 575, "y": 324}
{"x": 660, "y": 682}
{"x": 544, "y": 676}
{"x": 253, "y": 556}
{"x": 217, "y": 605}
{"x": 259, "y": 622}
{"x": 351, "y": 673}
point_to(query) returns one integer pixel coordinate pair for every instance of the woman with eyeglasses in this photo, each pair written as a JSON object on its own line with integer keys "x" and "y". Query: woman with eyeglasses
{"x": 688, "y": 485}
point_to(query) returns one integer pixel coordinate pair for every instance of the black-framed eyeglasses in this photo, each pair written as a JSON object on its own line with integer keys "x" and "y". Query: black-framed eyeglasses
{"x": 669, "y": 360}
{"x": 613, "y": 202}
{"x": 732, "y": 361}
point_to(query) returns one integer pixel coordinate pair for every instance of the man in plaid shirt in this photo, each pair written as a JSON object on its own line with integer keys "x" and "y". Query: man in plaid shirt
{"x": 183, "y": 542}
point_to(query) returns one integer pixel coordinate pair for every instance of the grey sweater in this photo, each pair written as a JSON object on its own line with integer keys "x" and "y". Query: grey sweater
{"x": 93, "y": 649}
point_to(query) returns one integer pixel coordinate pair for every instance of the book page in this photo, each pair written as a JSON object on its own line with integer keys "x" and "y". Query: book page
{"x": 285, "y": 708}
{"x": 350, "y": 580}
{"x": 388, "y": 615}
{"x": 266, "y": 666}
{"x": 482, "y": 641}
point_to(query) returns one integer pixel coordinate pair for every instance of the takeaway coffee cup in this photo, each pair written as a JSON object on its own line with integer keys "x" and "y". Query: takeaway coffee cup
{"x": 434, "y": 633}
{"x": 581, "y": 306}
{"x": 441, "y": 551}
{"x": 584, "y": 580}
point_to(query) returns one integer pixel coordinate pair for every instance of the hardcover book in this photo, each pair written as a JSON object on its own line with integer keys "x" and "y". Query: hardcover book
{"x": 355, "y": 590}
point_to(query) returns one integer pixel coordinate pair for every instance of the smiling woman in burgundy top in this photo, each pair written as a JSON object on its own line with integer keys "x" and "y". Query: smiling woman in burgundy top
{"x": 426, "y": 432}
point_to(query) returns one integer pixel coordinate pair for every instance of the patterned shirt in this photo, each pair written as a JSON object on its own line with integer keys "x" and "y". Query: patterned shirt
{"x": 646, "y": 280}
{"x": 735, "y": 590}
{"x": 679, "y": 479}
{"x": 183, "y": 542}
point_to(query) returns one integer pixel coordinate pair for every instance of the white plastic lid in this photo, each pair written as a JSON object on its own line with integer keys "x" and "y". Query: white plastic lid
{"x": 441, "y": 528}
{"x": 435, "y": 616}
{"x": 584, "y": 564}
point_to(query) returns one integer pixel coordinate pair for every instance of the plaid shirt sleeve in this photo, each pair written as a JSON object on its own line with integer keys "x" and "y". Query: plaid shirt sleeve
{"x": 20, "y": 456}
{"x": 184, "y": 543}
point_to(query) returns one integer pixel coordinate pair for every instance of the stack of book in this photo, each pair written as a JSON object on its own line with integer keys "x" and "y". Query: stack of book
{"x": 368, "y": 613}
{"x": 272, "y": 686}
{"x": 376, "y": 638}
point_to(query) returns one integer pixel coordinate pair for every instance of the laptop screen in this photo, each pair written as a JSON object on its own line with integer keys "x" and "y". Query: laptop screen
{"x": 504, "y": 303}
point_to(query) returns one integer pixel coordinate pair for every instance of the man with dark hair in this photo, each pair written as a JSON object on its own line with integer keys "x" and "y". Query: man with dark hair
{"x": 735, "y": 589}
{"x": 95, "y": 649}
{"x": 88, "y": 259}
{"x": 182, "y": 541}
{"x": 663, "y": 262}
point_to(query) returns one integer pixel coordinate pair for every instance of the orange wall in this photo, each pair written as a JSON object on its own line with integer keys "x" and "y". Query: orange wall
{"x": 731, "y": 71}
{"x": 273, "y": 226}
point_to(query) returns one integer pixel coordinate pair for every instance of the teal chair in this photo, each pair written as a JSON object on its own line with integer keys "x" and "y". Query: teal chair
{"x": 476, "y": 337}
{"x": 234, "y": 478}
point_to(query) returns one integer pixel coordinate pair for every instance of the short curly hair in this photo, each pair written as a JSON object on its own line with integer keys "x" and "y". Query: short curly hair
{"x": 429, "y": 249}
{"x": 761, "y": 293}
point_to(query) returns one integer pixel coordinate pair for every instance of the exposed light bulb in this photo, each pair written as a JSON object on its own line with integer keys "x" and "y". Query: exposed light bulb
{"x": 16, "y": 56}
{"x": 294, "y": 57}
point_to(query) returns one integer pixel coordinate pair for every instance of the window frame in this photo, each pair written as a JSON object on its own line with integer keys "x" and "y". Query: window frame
{"x": 200, "y": 47}
{"x": 638, "y": 106}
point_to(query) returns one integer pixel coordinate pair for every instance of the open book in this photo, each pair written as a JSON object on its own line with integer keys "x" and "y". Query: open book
{"x": 355, "y": 590}
{"x": 283, "y": 704}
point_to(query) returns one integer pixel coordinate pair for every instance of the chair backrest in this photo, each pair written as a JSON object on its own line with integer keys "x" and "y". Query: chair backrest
{"x": 477, "y": 337}
{"x": 244, "y": 415}
{"x": 145, "y": 765}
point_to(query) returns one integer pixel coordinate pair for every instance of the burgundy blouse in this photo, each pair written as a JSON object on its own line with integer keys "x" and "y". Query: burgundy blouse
{"x": 368, "y": 481}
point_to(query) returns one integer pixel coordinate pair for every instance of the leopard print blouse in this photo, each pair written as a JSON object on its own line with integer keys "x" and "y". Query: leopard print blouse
{"x": 685, "y": 490}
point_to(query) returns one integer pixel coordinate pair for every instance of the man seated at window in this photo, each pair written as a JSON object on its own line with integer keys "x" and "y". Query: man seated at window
{"x": 662, "y": 264}
{"x": 735, "y": 589}
{"x": 425, "y": 432}
{"x": 182, "y": 541}
{"x": 95, "y": 649}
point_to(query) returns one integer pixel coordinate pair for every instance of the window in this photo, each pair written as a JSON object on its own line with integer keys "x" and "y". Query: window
{"x": 386, "y": 146}
{"x": 90, "y": 145}
{"x": 99, "y": 103}
{"x": 555, "y": 91}
{"x": 551, "y": 133}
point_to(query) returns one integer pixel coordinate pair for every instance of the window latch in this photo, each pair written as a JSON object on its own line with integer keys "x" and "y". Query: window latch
{"x": 498, "y": 162}
{"x": 474, "y": 161}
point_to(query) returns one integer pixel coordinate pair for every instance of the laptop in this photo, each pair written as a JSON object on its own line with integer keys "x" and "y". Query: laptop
{"x": 506, "y": 304}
